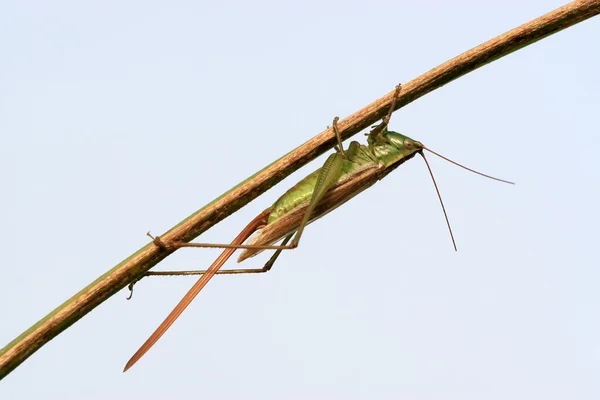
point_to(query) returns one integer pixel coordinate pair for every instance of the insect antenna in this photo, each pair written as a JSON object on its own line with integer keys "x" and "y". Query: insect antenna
{"x": 440, "y": 197}
{"x": 467, "y": 168}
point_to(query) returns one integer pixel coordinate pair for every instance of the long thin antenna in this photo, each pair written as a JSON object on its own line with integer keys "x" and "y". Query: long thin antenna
{"x": 468, "y": 169}
{"x": 440, "y": 197}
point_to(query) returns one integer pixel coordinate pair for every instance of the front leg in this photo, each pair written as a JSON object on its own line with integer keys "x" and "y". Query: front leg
{"x": 376, "y": 132}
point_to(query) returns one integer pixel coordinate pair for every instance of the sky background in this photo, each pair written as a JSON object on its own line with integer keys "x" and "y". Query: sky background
{"x": 117, "y": 118}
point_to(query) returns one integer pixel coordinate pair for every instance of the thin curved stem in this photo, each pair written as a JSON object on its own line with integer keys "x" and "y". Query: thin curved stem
{"x": 148, "y": 256}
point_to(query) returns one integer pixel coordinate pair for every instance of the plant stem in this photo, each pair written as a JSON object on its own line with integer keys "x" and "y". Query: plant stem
{"x": 148, "y": 256}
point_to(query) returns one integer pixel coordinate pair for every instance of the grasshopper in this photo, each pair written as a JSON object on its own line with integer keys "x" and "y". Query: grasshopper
{"x": 345, "y": 173}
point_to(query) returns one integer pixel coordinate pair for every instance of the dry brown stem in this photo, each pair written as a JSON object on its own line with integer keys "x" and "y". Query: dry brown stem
{"x": 137, "y": 264}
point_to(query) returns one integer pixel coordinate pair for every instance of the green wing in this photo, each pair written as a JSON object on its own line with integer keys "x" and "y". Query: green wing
{"x": 328, "y": 175}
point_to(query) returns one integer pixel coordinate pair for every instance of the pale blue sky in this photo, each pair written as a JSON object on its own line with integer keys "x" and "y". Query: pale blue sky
{"x": 121, "y": 117}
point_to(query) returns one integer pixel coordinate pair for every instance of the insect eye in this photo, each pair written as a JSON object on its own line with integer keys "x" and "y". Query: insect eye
{"x": 408, "y": 144}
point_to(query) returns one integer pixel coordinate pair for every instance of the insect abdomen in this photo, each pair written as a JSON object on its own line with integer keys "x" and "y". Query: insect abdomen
{"x": 296, "y": 195}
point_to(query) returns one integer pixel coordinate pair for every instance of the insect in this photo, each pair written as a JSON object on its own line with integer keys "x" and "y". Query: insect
{"x": 344, "y": 174}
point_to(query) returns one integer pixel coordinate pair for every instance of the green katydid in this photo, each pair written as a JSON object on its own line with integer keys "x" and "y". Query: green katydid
{"x": 344, "y": 174}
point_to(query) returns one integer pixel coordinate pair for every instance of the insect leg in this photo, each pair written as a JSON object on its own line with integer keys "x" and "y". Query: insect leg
{"x": 340, "y": 147}
{"x": 266, "y": 268}
{"x": 386, "y": 120}
{"x": 328, "y": 176}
